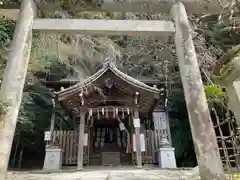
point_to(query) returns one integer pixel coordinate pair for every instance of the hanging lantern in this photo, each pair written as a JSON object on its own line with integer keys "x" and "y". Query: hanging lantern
{"x": 103, "y": 111}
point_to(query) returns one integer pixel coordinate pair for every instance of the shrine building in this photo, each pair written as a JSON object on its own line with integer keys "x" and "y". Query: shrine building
{"x": 119, "y": 121}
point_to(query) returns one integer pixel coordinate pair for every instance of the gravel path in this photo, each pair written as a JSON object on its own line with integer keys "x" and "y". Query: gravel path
{"x": 107, "y": 174}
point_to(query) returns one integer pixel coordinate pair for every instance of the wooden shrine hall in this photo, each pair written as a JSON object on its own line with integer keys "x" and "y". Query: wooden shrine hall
{"x": 120, "y": 121}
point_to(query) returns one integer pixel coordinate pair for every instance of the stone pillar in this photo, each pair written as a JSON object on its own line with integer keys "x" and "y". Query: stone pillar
{"x": 53, "y": 159}
{"x": 166, "y": 154}
{"x": 161, "y": 122}
{"x": 204, "y": 137}
{"x": 14, "y": 79}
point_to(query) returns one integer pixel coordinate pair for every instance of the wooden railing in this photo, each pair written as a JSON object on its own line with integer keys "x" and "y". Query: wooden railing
{"x": 68, "y": 141}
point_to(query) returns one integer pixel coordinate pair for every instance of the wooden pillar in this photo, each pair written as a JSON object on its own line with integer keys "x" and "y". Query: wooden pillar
{"x": 14, "y": 79}
{"x": 137, "y": 132}
{"x": 81, "y": 141}
{"x": 204, "y": 137}
{"x": 52, "y": 123}
{"x": 137, "y": 140}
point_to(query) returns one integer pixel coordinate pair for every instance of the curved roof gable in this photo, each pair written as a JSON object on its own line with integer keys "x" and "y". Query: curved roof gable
{"x": 109, "y": 65}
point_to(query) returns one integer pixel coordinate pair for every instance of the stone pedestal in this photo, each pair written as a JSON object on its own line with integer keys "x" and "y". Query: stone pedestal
{"x": 166, "y": 157}
{"x": 53, "y": 159}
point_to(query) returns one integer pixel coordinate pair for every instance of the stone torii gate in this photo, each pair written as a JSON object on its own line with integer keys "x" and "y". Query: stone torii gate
{"x": 204, "y": 137}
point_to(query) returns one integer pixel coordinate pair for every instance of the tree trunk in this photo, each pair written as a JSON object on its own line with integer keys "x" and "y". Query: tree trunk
{"x": 13, "y": 81}
{"x": 204, "y": 137}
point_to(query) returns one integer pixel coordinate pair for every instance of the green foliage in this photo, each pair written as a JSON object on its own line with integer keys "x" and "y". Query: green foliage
{"x": 214, "y": 94}
{"x": 6, "y": 30}
{"x": 179, "y": 124}
{"x": 182, "y": 141}
{"x": 217, "y": 32}
{"x": 180, "y": 129}
{"x": 176, "y": 104}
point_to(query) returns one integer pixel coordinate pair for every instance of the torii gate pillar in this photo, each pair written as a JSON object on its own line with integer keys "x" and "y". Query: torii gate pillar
{"x": 204, "y": 138}
{"x": 14, "y": 79}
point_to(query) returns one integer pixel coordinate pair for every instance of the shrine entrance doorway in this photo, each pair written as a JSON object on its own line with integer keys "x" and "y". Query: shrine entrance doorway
{"x": 109, "y": 145}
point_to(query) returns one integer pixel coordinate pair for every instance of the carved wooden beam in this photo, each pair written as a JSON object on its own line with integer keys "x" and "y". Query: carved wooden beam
{"x": 105, "y": 27}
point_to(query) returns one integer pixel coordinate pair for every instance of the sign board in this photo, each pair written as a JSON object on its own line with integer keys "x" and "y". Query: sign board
{"x": 136, "y": 122}
{"x": 142, "y": 143}
{"x": 47, "y": 136}
{"x": 160, "y": 120}
{"x": 85, "y": 143}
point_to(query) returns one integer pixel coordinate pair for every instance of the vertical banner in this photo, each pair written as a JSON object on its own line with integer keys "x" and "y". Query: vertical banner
{"x": 142, "y": 143}
{"x": 85, "y": 143}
